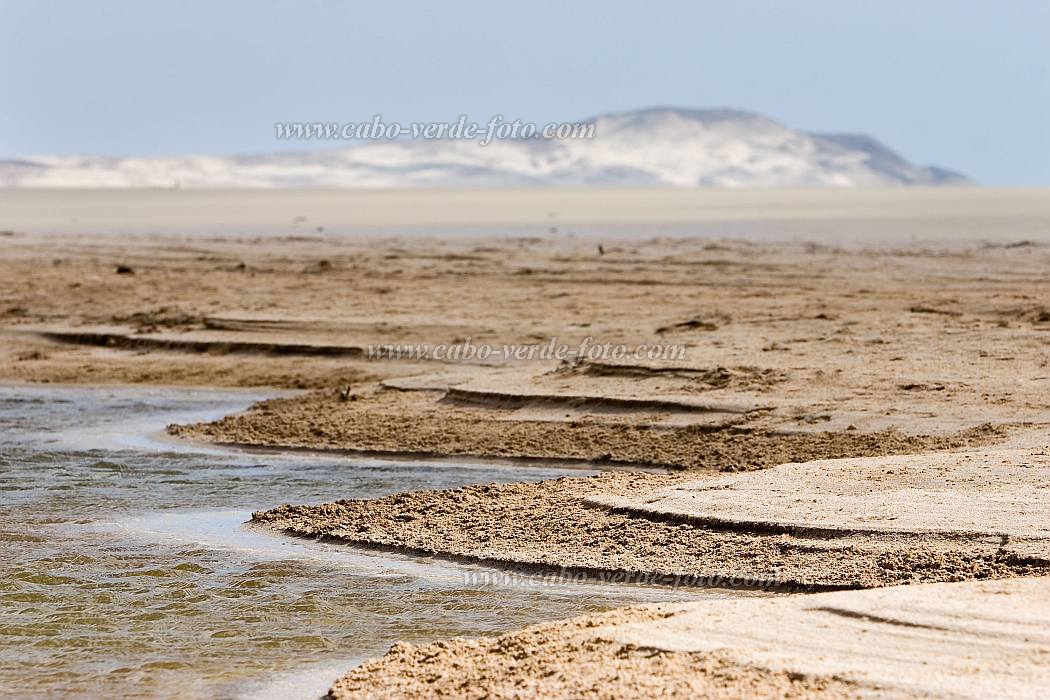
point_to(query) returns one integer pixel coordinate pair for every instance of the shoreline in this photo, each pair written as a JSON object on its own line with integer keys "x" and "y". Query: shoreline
{"x": 903, "y": 642}
{"x": 800, "y": 356}
{"x": 438, "y": 458}
{"x": 578, "y": 575}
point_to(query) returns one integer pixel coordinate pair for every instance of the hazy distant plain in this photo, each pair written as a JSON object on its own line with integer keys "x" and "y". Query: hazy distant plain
{"x": 856, "y": 215}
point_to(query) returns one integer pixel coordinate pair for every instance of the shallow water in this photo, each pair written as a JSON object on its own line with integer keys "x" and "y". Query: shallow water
{"x": 126, "y": 568}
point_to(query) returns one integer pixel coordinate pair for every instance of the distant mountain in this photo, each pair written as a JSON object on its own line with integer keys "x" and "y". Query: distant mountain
{"x": 650, "y": 147}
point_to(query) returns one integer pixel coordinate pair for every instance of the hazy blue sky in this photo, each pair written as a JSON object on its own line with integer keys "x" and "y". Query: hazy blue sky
{"x": 963, "y": 84}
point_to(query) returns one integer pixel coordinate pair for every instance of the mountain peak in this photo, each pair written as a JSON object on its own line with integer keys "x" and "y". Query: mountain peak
{"x": 702, "y": 114}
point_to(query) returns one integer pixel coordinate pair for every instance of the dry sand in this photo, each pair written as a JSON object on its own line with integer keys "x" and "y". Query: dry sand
{"x": 969, "y": 640}
{"x": 551, "y": 526}
{"x": 795, "y": 352}
{"x": 946, "y": 215}
{"x": 572, "y": 659}
{"x": 1002, "y": 493}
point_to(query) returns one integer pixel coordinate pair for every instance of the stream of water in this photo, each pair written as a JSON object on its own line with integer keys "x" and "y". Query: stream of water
{"x": 127, "y": 570}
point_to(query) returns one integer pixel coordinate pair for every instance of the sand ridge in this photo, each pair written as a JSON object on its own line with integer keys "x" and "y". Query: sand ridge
{"x": 572, "y": 658}
{"x": 906, "y": 642}
{"x": 552, "y": 527}
{"x": 990, "y": 493}
{"x": 795, "y": 352}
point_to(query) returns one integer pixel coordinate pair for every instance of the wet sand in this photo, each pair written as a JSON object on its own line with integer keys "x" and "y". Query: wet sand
{"x": 126, "y": 568}
{"x": 795, "y": 352}
{"x": 560, "y": 525}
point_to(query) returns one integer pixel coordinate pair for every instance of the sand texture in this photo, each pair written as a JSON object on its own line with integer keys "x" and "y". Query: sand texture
{"x": 553, "y": 525}
{"x": 845, "y": 416}
{"x": 795, "y": 353}
{"x": 905, "y": 642}
{"x": 990, "y": 493}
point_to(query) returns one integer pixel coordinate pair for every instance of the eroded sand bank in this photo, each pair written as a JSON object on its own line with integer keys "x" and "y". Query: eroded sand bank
{"x": 795, "y": 352}
{"x": 958, "y": 640}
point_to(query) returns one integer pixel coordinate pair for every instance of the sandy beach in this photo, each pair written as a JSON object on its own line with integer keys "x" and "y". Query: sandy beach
{"x": 870, "y": 415}
{"x": 499, "y": 353}
{"x": 903, "y": 642}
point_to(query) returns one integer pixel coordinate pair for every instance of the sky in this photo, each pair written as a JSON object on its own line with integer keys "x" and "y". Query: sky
{"x": 964, "y": 84}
